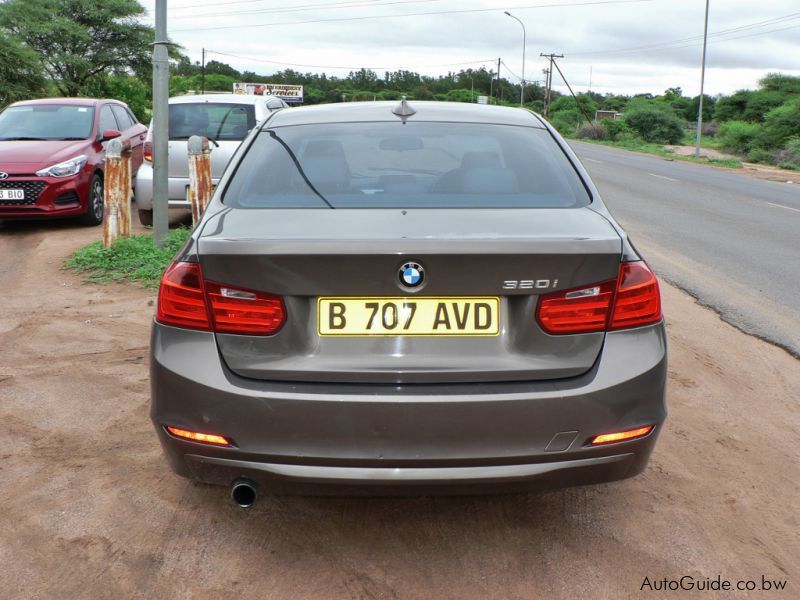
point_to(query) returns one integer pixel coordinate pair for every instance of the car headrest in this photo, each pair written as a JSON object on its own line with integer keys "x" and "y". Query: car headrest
{"x": 473, "y": 160}
{"x": 325, "y": 164}
{"x": 489, "y": 180}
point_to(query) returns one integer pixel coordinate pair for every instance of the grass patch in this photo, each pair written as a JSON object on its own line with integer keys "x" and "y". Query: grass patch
{"x": 638, "y": 145}
{"x": 135, "y": 258}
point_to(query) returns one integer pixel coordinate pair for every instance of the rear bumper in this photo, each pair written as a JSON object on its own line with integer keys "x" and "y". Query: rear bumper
{"x": 384, "y": 439}
{"x": 176, "y": 189}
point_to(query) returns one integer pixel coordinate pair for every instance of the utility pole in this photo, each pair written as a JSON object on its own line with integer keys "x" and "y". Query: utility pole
{"x": 549, "y": 94}
{"x": 702, "y": 86}
{"x": 203, "y": 73}
{"x": 498, "y": 82}
{"x": 160, "y": 125}
{"x": 577, "y": 101}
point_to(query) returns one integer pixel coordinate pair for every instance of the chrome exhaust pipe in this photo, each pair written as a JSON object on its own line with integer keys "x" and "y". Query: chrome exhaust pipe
{"x": 244, "y": 492}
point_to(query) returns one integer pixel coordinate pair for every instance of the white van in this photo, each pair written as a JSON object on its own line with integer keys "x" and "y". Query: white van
{"x": 225, "y": 119}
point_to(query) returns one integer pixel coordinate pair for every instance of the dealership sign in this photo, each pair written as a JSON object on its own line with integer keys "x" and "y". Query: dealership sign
{"x": 289, "y": 93}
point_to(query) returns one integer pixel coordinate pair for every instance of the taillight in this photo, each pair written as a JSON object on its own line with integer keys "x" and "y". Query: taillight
{"x": 181, "y": 301}
{"x": 186, "y": 300}
{"x": 245, "y": 312}
{"x": 147, "y": 150}
{"x": 632, "y": 300}
{"x": 582, "y": 310}
{"x": 638, "y": 300}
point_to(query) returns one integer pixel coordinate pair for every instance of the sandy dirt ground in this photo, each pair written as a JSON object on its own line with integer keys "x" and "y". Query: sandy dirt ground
{"x": 89, "y": 509}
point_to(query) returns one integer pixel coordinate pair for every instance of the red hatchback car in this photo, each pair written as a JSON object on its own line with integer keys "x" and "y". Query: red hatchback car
{"x": 52, "y": 153}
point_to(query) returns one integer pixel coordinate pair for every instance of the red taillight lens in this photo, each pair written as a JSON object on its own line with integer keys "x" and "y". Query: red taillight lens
{"x": 582, "y": 310}
{"x": 147, "y": 150}
{"x": 244, "y": 312}
{"x": 180, "y": 298}
{"x": 632, "y": 300}
{"x": 638, "y": 300}
{"x": 184, "y": 300}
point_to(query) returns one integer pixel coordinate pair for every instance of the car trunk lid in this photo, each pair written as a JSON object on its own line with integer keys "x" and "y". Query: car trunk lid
{"x": 512, "y": 255}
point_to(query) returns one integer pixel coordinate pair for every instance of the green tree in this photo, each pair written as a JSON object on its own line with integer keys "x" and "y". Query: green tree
{"x": 655, "y": 126}
{"x": 780, "y": 124}
{"x": 81, "y": 39}
{"x": 215, "y": 67}
{"x": 131, "y": 90}
{"x": 21, "y": 73}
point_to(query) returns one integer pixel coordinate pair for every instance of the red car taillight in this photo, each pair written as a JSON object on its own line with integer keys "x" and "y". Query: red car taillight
{"x": 186, "y": 300}
{"x": 638, "y": 300}
{"x": 147, "y": 150}
{"x": 181, "y": 301}
{"x": 243, "y": 311}
{"x": 632, "y": 300}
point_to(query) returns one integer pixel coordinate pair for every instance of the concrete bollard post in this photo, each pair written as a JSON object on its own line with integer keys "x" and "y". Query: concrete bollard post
{"x": 117, "y": 191}
{"x": 200, "y": 185}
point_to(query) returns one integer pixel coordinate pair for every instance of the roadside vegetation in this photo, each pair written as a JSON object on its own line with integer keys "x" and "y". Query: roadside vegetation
{"x": 760, "y": 126}
{"x": 135, "y": 259}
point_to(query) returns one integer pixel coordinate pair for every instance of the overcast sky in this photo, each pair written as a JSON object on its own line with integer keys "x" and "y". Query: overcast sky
{"x": 628, "y": 46}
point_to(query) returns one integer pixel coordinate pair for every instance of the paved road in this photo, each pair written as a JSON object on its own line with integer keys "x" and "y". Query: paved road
{"x": 730, "y": 240}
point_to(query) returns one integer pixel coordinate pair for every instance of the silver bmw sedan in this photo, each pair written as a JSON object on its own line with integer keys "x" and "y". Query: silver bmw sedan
{"x": 412, "y": 297}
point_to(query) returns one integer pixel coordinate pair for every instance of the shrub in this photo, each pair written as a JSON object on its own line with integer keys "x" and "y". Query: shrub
{"x": 615, "y": 128}
{"x": 738, "y": 136}
{"x": 780, "y": 124}
{"x": 566, "y": 121}
{"x": 591, "y": 131}
{"x": 655, "y": 126}
{"x": 759, "y": 155}
{"x": 788, "y": 157}
{"x": 710, "y": 129}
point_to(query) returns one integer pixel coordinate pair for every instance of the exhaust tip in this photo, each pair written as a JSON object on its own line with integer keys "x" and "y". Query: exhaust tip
{"x": 244, "y": 493}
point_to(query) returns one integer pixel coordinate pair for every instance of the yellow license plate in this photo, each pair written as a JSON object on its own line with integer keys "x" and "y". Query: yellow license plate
{"x": 347, "y": 316}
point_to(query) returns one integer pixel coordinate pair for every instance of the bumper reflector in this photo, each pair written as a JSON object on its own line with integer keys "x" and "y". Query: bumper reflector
{"x": 621, "y": 436}
{"x": 205, "y": 438}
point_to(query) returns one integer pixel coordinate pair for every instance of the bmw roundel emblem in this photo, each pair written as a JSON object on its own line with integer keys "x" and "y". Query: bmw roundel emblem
{"x": 411, "y": 274}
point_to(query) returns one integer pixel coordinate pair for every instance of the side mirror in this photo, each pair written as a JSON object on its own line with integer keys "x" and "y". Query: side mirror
{"x": 275, "y": 104}
{"x": 109, "y": 134}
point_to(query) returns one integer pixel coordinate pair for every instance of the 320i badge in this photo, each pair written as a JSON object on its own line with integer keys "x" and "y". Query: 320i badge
{"x": 407, "y": 298}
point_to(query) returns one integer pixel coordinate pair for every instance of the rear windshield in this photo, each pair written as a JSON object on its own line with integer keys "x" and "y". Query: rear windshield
{"x": 216, "y": 121}
{"x": 412, "y": 165}
{"x": 46, "y": 122}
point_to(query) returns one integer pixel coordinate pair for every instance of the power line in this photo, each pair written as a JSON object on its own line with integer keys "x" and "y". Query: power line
{"x": 682, "y": 42}
{"x": 418, "y": 14}
{"x": 306, "y": 8}
{"x": 339, "y": 67}
{"x": 215, "y": 4}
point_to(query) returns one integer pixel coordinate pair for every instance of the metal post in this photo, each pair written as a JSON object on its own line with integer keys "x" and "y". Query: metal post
{"x": 498, "y": 82}
{"x": 160, "y": 126}
{"x": 524, "y": 44}
{"x": 203, "y": 74}
{"x": 117, "y": 191}
{"x": 702, "y": 87}
{"x": 200, "y": 185}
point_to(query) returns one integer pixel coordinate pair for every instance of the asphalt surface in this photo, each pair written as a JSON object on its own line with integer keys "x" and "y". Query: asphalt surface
{"x": 730, "y": 240}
